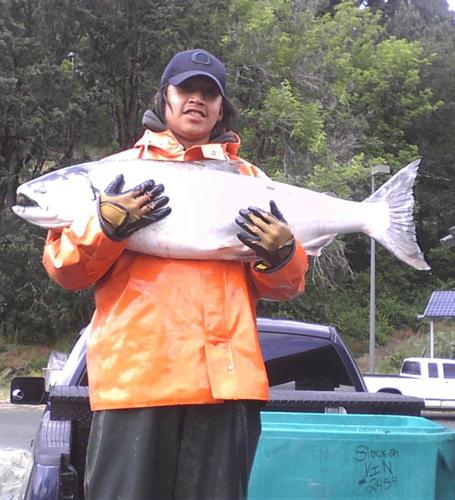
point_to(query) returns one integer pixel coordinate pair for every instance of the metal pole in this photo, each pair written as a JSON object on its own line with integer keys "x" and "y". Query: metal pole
{"x": 371, "y": 358}
{"x": 431, "y": 339}
{"x": 382, "y": 170}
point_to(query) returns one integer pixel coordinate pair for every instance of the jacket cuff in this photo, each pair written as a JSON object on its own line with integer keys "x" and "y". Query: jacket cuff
{"x": 261, "y": 267}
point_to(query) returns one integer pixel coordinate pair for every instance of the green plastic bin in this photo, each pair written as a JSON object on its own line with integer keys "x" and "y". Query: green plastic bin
{"x": 334, "y": 456}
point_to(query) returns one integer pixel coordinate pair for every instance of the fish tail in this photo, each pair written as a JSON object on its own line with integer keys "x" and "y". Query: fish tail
{"x": 400, "y": 235}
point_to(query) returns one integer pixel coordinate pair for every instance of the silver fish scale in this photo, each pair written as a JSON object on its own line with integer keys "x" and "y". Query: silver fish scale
{"x": 205, "y": 198}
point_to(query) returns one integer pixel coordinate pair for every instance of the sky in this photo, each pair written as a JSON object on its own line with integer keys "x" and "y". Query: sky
{"x": 451, "y": 5}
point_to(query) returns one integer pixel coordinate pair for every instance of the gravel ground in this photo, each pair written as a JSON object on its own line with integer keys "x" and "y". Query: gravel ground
{"x": 13, "y": 469}
{"x": 18, "y": 426}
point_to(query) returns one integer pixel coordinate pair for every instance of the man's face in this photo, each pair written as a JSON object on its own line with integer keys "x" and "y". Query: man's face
{"x": 193, "y": 109}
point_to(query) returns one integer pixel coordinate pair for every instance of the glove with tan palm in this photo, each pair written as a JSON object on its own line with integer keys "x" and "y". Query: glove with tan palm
{"x": 123, "y": 213}
{"x": 268, "y": 234}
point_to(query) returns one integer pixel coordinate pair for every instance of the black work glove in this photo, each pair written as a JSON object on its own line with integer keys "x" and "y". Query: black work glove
{"x": 123, "y": 213}
{"x": 268, "y": 235}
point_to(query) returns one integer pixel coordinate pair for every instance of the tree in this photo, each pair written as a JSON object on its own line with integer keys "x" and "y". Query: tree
{"x": 42, "y": 104}
{"x": 32, "y": 308}
{"x": 327, "y": 90}
{"x": 433, "y": 25}
{"x": 125, "y": 45}
{"x": 75, "y": 79}
{"x": 355, "y": 92}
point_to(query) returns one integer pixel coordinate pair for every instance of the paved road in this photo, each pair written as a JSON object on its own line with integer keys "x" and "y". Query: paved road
{"x": 18, "y": 425}
{"x": 446, "y": 419}
{"x": 450, "y": 423}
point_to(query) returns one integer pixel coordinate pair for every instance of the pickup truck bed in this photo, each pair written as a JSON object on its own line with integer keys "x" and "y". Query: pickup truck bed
{"x": 72, "y": 404}
{"x": 310, "y": 370}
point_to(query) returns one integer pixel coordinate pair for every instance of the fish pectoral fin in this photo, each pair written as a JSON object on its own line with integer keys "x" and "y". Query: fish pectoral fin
{"x": 235, "y": 252}
{"x": 314, "y": 247}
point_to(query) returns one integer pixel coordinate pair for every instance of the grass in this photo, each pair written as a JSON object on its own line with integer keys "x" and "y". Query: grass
{"x": 405, "y": 344}
{"x": 4, "y": 393}
{"x": 21, "y": 360}
{"x": 25, "y": 360}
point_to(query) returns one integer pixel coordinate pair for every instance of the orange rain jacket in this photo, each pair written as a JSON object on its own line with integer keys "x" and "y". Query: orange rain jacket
{"x": 169, "y": 331}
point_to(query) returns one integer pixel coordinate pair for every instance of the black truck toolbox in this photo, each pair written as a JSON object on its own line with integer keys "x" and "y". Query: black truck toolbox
{"x": 379, "y": 403}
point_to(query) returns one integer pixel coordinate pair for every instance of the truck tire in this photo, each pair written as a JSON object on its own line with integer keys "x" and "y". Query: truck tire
{"x": 390, "y": 390}
{"x": 72, "y": 403}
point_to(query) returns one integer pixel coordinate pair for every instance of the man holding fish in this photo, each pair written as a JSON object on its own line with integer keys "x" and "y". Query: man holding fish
{"x": 176, "y": 374}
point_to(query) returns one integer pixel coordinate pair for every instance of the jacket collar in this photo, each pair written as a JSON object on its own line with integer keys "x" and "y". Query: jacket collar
{"x": 167, "y": 143}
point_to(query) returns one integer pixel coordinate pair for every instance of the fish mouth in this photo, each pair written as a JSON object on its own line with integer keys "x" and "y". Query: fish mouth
{"x": 23, "y": 200}
{"x": 31, "y": 212}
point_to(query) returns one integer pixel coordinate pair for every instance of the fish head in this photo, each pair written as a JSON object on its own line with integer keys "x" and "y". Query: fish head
{"x": 54, "y": 199}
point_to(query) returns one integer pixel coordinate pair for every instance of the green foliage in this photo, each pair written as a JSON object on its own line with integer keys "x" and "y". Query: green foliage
{"x": 374, "y": 76}
{"x": 343, "y": 180}
{"x": 32, "y": 308}
{"x": 43, "y": 106}
{"x": 445, "y": 342}
{"x": 444, "y": 347}
{"x": 392, "y": 364}
{"x": 327, "y": 91}
{"x": 432, "y": 25}
{"x": 299, "y": 121}
{"x": 374, "y": 94}
{"x": 78, "y": 74}
{"x": 401, "y": 295}
{"x": 287, "y": 124}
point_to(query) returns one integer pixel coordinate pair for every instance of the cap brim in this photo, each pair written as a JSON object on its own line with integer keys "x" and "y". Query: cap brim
{"x": 178, "y": 79}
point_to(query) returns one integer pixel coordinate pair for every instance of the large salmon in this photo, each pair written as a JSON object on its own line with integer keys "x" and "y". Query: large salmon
{"x": 205, "y": 198}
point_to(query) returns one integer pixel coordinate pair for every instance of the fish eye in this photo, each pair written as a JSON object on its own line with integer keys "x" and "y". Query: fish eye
{"x": 42, "y": 188}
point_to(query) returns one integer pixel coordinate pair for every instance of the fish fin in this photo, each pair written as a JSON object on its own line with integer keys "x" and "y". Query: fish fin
{"x": 314, "y": 247}
{"x": 400, "y": 235}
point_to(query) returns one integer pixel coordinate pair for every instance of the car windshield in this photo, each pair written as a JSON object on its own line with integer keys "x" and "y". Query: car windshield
{"x": 449, "y": 370}
{"x": 411, "y": 367}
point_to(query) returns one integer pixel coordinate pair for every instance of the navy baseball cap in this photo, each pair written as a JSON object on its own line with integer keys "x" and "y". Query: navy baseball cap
{"x": 191, "y": 63}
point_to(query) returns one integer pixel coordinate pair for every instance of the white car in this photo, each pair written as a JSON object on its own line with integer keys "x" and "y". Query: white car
{"x": 432, "y": 379}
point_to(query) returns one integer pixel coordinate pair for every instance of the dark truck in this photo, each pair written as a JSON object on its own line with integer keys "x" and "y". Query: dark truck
{"x": 310, "y": 370}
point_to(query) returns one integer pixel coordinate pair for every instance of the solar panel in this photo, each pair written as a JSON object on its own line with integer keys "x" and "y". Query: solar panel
{"x": 441, "y": 305}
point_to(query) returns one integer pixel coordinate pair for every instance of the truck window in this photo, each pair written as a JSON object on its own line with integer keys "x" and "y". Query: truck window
{"x": 432, "y": 370}
{"x": 411, "y": 367}
{"x": 84, "y": 378}
{"x": 449, "y": 370}
{"x": 308, "y": 363}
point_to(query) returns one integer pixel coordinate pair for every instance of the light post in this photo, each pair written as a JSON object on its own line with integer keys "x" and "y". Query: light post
{"x": 376, "y": 170}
